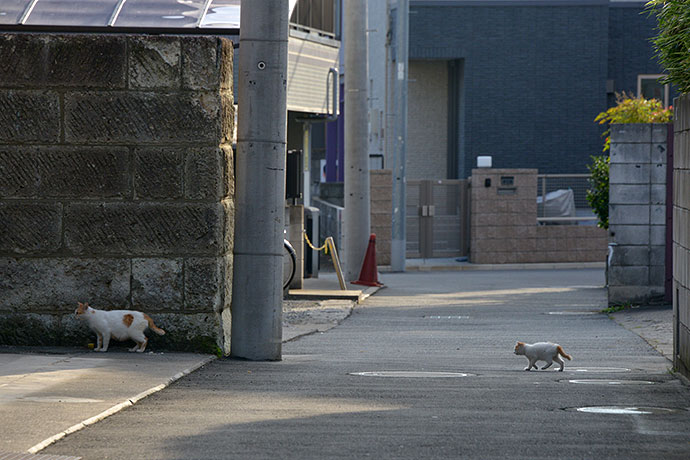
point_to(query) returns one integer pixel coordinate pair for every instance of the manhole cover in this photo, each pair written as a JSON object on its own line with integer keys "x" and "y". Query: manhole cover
{"x": 609, "y": 382}
{"x": 568, "y": 313}
{"x": 25, "y": 456}
{"x": 598, "y": 370}
{"x": 59, "y": 399}
{"x": 412, "y": 374}
{"x": 624, "y": 410}
{"x": 447, "y": 317}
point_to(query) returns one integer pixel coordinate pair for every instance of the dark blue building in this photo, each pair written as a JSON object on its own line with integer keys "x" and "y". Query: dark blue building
{"x": 521, "y": 80}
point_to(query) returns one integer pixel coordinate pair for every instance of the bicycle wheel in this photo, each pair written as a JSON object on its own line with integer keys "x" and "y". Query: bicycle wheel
{"x": 289, "y": 263}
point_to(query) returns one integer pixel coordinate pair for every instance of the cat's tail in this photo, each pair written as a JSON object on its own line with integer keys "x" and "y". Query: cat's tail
{"x": 563, "y": 353}
{"x": 157, "y": 329}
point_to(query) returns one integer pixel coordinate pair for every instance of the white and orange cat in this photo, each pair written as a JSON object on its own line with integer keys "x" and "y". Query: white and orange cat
{"x": 542, "y": 351}
{"x": 117, "y": 324}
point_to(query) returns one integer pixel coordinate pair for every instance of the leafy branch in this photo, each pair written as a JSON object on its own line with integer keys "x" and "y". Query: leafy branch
{"x": 673, "y": 41}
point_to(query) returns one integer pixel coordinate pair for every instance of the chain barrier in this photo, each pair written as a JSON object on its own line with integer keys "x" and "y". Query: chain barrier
{"x": 329, "y": 243}
{"x": 322, "y": 248}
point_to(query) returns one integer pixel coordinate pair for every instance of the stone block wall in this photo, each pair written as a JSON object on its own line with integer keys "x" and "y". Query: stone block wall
{"x": 504, "y": 224}
{"x": 116, "y": 184}
{"x": 681, "y": 235}
{"x": 637, "y": 212}
{"x": 381, "y": 183}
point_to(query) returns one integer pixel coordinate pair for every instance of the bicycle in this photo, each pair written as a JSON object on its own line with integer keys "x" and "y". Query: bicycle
{"x": 289, "y": 263}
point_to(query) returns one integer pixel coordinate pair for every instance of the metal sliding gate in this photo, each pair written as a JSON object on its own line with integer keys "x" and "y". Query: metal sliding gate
{"x": 437, "y": 218}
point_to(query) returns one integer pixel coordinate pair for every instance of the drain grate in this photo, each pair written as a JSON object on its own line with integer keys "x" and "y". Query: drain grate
{"x": 609, "y": 382}
{"x": 624, "y": 410}
{"x": 573, "y": 313}
{"x": 598, "y": 370}
{"x": 412, "y": 374}
{"x": 59, "y": 399}
{"x": 25, "y": 456}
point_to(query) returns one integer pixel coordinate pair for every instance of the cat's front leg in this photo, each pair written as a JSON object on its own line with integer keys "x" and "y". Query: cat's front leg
{"x": 532, "y": 364}
{"x": 99, "y": 341}
{"x": 106, "y": 342}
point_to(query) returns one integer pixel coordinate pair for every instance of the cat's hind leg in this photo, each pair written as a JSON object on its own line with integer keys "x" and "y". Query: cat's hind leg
{"x": 559, "y": 361}
{"x": 548, "y": 364}
{"x": 141, "y": 341}
{"x": 142, "y": 346}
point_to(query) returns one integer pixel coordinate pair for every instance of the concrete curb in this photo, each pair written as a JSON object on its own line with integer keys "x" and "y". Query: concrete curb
{"x": 117, "y": 408}
{"x": 322, "y": 327}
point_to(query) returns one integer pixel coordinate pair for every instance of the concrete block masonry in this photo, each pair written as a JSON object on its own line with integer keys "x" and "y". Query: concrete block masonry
{"x": 155, "y": 62}
{"x": 637, "y": 214}
{"x": 137, "y": 229}
{"x": 51, "y": 61}
{"x": 116, "y": 184}
{"x": 134, "y": 117}
{"x": 29, "y": 116}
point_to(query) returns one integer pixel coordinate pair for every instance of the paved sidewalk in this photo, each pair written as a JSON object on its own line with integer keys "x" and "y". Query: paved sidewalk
{"x": 44, "y": 394}
{"x": 653, "y": 324}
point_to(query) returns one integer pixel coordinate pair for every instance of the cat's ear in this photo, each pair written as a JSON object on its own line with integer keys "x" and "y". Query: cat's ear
{"x": 520, "y": 343}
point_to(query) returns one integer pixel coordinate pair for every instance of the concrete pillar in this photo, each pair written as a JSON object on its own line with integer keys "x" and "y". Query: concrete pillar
{"x": 398, "y": 139}
{"x": 356, "y": 225}
{"x": 260, "y": 193}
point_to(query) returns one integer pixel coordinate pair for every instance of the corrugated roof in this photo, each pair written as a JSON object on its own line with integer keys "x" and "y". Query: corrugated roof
{"x": 192, "y": 16}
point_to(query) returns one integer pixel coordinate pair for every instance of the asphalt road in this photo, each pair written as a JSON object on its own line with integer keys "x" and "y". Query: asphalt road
{"x": 311, "y": 406}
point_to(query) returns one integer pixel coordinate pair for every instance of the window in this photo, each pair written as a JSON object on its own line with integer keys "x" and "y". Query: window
{"x": 317, "y": 15}
{"x": 649, "y": 87}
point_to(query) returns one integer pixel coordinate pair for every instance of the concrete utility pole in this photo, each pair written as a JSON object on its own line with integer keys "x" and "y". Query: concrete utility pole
{"x": 398, "y": 127}
{"x": 356, "y": 218}
{"x": 257, "y": 295}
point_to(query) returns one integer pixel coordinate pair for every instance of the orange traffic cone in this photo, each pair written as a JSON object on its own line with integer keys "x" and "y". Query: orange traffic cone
{"x": 368, "y": 276}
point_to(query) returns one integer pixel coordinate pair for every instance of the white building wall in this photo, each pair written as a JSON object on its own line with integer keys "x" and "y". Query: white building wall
{"x": 378, "y": 25}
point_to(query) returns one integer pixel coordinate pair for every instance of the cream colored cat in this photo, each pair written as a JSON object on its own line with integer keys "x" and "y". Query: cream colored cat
{"x": 118, "y": 324}
{"x": 541, "y": 351}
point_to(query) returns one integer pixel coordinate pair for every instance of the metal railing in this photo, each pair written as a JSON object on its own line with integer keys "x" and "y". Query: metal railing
{"x": 578, "y": 211}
